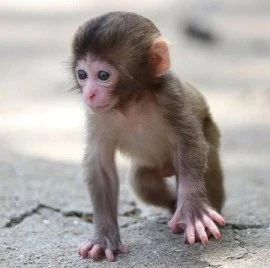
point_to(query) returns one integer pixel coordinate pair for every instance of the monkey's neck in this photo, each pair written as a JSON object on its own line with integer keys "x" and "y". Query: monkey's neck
{"x": 136, "y": 105}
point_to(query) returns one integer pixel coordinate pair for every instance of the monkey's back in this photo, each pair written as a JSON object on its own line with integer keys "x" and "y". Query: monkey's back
{"x": 195, "y": 100}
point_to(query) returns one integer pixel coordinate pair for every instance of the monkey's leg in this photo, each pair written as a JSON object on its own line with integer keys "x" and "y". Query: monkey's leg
{"x": 214, "y": 181}
{"x": 196, "y": 184}
{"x": 213, "y": 176}
{"x": 151, "y": 187}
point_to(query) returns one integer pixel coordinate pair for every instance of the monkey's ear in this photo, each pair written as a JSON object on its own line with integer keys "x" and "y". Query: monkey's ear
{"x": 160, "y": 57}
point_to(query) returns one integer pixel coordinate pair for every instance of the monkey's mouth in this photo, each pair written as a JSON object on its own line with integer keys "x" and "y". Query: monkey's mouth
{"x": 101, "y": 108}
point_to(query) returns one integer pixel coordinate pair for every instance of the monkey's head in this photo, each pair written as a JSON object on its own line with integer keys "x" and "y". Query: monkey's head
{"x": 116, "y": 58}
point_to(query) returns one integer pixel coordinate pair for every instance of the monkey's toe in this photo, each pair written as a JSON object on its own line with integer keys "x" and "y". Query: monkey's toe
{"x": 176, "y": 225}
{"x": 85, "y": 248}
{"x": 96, "y": 252}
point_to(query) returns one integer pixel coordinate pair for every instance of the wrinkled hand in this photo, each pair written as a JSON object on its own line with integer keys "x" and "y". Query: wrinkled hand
{"x": 98, "y": 247}
{"x": 199, "y": 221}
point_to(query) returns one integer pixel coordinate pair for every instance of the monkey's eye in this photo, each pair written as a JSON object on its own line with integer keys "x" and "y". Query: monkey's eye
{"x": 103, "y": 76}
{"x": 81, "y": 74}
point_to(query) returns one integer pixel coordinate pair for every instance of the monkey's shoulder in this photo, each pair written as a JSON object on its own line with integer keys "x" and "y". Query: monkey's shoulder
{"x": 191, "y": 99}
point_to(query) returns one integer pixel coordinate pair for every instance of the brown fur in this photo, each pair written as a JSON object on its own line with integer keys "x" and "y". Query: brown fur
{"x": 197, "y": 110}
{"x": 162, "y": 123}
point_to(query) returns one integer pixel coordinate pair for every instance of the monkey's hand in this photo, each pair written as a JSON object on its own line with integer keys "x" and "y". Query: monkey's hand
{"x": 109, "y": 245}
{"x": 199, "y": 221}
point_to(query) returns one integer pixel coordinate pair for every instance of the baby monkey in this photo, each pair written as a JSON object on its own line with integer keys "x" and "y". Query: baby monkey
{"x": 136, "y": 105}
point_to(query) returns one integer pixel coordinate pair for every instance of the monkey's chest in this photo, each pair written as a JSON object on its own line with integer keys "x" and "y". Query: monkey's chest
{"x": 147, "y": 140}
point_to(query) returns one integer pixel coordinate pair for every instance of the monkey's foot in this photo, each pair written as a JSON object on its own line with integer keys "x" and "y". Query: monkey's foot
{"x": 95, "y": 251}
{"x": 198, "y": 227}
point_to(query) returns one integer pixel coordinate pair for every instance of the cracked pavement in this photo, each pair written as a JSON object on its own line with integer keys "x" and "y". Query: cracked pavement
{"x": 45, "y": 211}
{"x": 43, "y": 225}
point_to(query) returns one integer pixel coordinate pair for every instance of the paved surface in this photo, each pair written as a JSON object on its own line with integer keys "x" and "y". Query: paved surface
{"x": 44, "y": 207}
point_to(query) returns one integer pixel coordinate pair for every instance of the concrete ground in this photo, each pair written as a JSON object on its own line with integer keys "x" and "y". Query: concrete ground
{"x": 44, "y": 207}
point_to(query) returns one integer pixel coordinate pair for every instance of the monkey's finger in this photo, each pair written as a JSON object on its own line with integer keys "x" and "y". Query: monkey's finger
{"x": 79, "y": 249}
{"x": 208, "y": 223}
{"x": 179, "y": 228}
{"x": 176, "y": 224}
{"x": 123, "y": 249}
{"x": 172, "y": 222}
{"x": 190, "y": 234}
{"x": 109, "y": 254}
{"x": 216, "y": 216}
{"x": 96, "y": 251}
{"x": 83, "y": 250}
{"x": 200, "y": 229}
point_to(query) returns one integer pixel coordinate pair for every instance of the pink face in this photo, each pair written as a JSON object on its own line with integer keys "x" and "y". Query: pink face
{"x": 97, "y": 80}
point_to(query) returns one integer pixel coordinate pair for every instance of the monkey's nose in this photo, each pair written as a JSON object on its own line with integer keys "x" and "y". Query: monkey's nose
{"x": 92, "y": 96}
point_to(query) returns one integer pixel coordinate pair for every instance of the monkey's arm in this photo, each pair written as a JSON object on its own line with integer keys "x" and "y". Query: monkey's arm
{"x": 103, "y": 186}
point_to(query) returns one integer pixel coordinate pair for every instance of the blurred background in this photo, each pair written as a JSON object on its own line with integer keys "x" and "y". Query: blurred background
{"x": 222, "y": 47}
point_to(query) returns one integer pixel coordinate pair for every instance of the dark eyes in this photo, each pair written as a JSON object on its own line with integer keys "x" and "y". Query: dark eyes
{"x": 81, "y": 74}
{"x": 103, "y": 75}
